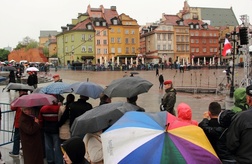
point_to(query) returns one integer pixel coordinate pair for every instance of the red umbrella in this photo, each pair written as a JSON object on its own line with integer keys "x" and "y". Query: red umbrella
{"x": 31, "y": 100}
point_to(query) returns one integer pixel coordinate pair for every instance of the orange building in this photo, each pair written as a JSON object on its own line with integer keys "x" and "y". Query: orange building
{"x": 31, "y": 55}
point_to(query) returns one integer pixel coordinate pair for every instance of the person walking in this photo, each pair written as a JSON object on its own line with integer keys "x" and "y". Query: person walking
{"x": 157, "y": 71}
{"x": 240, "y": 132}
{"x": 18, "y": 75}
{"x": 240, "y": 103}
{"x": 169, "y": 98}
{"x": 161, "y": 81}
{"x": 16, "y": 138}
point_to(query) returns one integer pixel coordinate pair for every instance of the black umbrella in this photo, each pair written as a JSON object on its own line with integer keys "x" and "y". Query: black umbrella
{"x": 127, "y": 87}
{"x": 100, "y": 118}
{"x": 19, "y": 86}
{"x": 9, "y": 68}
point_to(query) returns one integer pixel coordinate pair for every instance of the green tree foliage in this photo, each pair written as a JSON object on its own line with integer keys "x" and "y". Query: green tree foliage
{"x": 27, "y": 43}
{"x": 4, "y": 54}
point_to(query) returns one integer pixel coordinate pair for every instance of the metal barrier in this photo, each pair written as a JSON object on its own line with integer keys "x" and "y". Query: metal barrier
{"x": 6, "y": 124}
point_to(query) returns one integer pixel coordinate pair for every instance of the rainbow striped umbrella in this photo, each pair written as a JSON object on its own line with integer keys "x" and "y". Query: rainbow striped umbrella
{"x": 142, "y": 138}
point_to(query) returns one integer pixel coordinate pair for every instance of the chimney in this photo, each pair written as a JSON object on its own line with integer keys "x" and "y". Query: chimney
{"x": 113, "y": 8}
{"x": 70, "y": 26}
{"x": 63, "y": 28}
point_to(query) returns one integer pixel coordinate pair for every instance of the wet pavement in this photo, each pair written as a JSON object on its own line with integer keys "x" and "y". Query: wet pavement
{"x": 149, "y": 101}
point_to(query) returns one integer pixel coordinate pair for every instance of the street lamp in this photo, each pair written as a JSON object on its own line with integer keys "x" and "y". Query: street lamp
{"x": 233, "y": 35}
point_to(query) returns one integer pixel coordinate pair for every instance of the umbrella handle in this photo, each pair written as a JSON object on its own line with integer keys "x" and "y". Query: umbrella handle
{"x": 166, "y": 127}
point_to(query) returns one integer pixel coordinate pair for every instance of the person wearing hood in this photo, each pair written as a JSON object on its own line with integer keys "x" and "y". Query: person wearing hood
{"x": 169, "y": 99}
{"x": 239, "y": 133}
{"x": 240, "y": 103}
{"x": 185, "y": 113}
{"x": 73, "y": 151}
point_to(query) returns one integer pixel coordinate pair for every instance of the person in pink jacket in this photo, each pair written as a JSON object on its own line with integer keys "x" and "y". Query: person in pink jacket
{"x": 185, "y": 113}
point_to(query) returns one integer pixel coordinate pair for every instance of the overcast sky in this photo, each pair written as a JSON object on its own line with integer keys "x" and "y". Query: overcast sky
{"x": 21, "y": 18}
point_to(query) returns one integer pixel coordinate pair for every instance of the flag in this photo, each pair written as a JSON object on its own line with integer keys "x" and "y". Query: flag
{"x": 227, "y": 48}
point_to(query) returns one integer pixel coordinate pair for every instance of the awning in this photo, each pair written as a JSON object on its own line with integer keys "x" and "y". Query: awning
{"x": 126, "y": 56}
{"x": 152, "y": 57}
{"x": 87, "y": 57}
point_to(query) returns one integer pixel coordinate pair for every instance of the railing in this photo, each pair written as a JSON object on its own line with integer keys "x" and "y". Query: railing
{"x": 6, "y": 124}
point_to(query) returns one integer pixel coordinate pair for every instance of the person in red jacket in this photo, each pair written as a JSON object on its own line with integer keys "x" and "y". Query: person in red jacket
{"x": 16, "y": 138}
{"x": 48, "y": 119}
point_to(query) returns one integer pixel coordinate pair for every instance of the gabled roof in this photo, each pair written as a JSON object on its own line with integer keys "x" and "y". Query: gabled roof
{"x": 219, "y": 16}
{"x": 109, "y": 14}
{"x": 82, "y": 25}
{"x": 189, "y": 21}
{"x": 171, "y": 19}
{"x": 47, "y": 33}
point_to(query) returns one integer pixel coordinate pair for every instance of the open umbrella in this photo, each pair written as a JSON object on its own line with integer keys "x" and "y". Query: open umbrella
{"x": 88, "y": 89}
{"x": 31, "y": 100}
{"x": 2, "y": 78}
{"x": 100, "y": 117}
{"x": 19, "y": 86}
{"x": 54, "y": 88}
{"x": 32, "y": 69}
{"x": 8, "y": 68}
{"x": 141, "y": 137}
{"x": 127, "y": 87}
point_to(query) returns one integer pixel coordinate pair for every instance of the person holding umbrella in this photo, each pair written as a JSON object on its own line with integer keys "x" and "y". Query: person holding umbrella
{"x": 169, "y": 98}
{"x": 16, "y": 139}
{"x": 31, "y": 139}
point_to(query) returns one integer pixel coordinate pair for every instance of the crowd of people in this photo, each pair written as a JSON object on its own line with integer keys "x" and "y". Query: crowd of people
{"x": 48, "y": 127}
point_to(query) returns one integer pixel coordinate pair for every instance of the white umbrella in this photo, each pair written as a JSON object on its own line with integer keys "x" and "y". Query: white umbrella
{"x": 32, "y": 69}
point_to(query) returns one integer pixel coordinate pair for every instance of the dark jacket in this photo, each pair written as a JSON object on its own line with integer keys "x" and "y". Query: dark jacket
{"x": 161, "y": 78}
{"x": 77, "y": 108}
{"x": 32, "y": 80}
{"x": 239, "y": 136}
{"x": 216, "y": 134}
{"x": 12, "y": 77}
{"x": 169, "y": 100}
{"x": 31, "y": 140}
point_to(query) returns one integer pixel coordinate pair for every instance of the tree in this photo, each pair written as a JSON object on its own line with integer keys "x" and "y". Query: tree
{"x": 27, "y": 43}
{"x": 4, "y": 54}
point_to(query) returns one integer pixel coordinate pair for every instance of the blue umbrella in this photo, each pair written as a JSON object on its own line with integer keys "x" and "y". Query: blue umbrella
{"x": 54, "y": 88}
{"x": 88, "y": 89}
{"x": 2, "y": 78}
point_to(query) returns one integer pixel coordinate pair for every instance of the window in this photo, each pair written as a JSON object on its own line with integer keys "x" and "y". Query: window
{"x": 197, "y": 26}
{"x": 105, "y": 42}
{"x": 126, "y": 40}
{"x": 133, "y": 50}
{"x": 192, "y": 40}
{"x": 132, "y": 32}
{"x": 98, "y": 32}
{"x": 164, "y": 47}
{"x": 192, "y": 50}
{"x": 178, "y": 39}
{"x": 83, "y": 48}
{"x": 72, "y": 48}
{"x": 97, "y": 23}
{"x": 89, "y": 27}
{"x": 169, "y": 37}
{"x": 187, "y": 47}
{"x": 158, "y": 47}
{"x": 66, "y": 49}
{"x": 72, "y": 38}
{"x": 178, "y": 48}
{"x": 197, "y": 49}
{"x": 118, "y": 30}
{"x": 191, "y": 26}
{"x": 182, "y": 38}
{"x": 112, "y": 50}
{"x": 118, "y": 40}
{"x": 90, "y": 49}
{"x": 82, "y": 37}
{"x": 211, "y": 41}
{"x": 105, "y": 33}
{"x": 112, "y": 40}
{"x": 164, "y": 37}
{"x": 119, "y": 50}
{"x": 158, "y": 37}
{"x": 204, "y": 33}
{"x": 127, "y": 50}
{"x": 169, "y": 47}
{"x": 66, "y": 39}
{"x": 215, "y": 49}
{"x": 104, "y": 23}
{"x": 90, "y": 37}
{"x": 105, "y": 51}
{"x": 196, "y": 34}
{"x": 115, "y": 22}
{"x": 98, "y": 51}
{"x": 98, "y": 42}
{"x": 211, "y": 49}
{"x": 204, "y": 41}
{"x": 204, "y": 49}
{"x": 133, "y": 40}
{"x": 196, "y": 40}
{"x": 126, "y": 31}
{"x": 192, "y": 34}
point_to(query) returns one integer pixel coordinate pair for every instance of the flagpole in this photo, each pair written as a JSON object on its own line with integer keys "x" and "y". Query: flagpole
{"x": 231, "y": 94}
